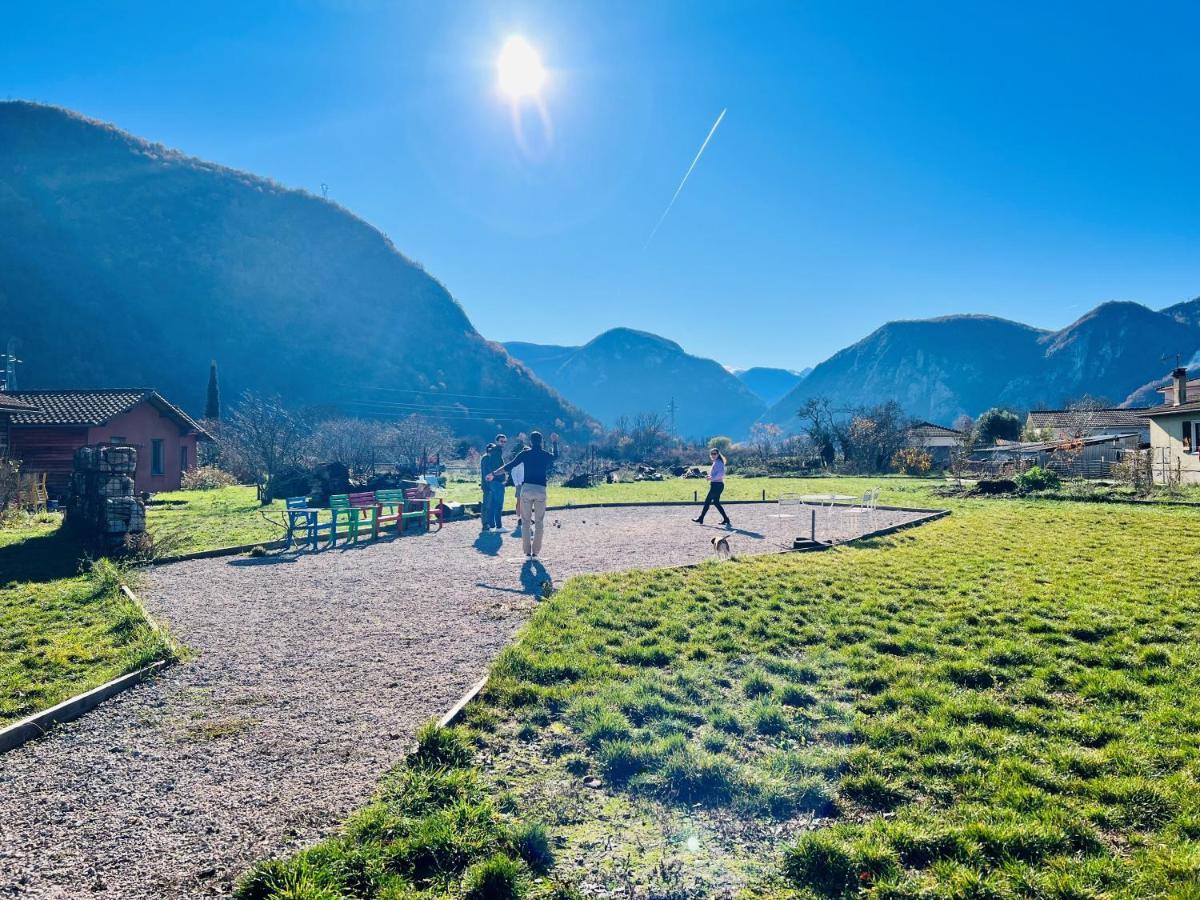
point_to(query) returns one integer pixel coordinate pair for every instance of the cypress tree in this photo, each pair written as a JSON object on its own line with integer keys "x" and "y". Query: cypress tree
{"x": 212, "y": 409}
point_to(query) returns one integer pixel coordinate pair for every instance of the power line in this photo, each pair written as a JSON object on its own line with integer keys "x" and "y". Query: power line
{"x": 453, "y": 408}
{"x": 436, "y": 393}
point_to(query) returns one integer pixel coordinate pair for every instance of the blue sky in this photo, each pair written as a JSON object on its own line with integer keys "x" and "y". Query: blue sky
{"x": 877, "y": 161}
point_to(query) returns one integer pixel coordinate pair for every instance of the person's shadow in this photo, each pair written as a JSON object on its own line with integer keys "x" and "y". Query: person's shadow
{"x": 534, "y": 581}
{"x": 534, "y": 576}
{"x": 488, "y": 543}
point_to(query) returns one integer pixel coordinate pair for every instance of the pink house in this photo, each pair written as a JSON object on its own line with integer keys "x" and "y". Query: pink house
{"x": 46, "y": 437}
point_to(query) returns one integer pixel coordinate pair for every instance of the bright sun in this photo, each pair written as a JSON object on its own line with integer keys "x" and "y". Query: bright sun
{"x": 519, "y": 69}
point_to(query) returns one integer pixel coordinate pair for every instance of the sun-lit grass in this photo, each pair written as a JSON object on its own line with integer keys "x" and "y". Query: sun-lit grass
{"x": 63, "y": 629}
{"x": 208, "y": 520}
{"x": 1001, "y": 703}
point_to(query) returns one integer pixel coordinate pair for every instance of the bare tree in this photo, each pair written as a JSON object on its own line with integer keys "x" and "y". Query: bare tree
{"x": 413, "y": 441}
{"x": 821, "y": 428}
{"x": 353, "y": 443}
{"x": 266, "y": 437}
{"x": 649, "y": 435}
{"x": 765, "y": 440}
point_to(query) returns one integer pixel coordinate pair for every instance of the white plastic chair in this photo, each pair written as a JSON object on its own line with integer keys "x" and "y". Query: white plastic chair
{"x": 867, "y": 508}
{"x": 790, "y": 517}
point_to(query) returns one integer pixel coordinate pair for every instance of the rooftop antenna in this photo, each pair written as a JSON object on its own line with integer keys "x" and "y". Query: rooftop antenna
{"x": 1166, "y": 357}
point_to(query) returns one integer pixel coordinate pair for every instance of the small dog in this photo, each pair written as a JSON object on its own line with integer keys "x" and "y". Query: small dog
{"x": 721, "y": 548}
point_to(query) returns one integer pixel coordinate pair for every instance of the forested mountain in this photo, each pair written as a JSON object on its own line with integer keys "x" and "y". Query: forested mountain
{"x": 124, "y": 263}
{"x": 625, "y": 372}
{"x": 1187, "y": 312}
{"x": 940, "y": 368}
{"x": 768, "y": 384}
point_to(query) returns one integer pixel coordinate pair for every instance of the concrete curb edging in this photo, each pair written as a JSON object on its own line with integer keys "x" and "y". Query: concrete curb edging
{"x": 220, "y": 551}
{"x": 456, "y": 710}
{"x": 934, "y": 515}
{"x": 39, "y": 723}
{"x": 16, "y": 734}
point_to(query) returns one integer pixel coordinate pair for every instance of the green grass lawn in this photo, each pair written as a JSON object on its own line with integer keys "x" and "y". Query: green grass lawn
{"x": 191, "y": 521}
{"x": 64, "y": 628}
{"x": 1002, "y": 703}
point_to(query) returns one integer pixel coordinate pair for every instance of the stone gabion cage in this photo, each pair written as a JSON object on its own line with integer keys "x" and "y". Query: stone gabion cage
{"x": 103, "y": 505}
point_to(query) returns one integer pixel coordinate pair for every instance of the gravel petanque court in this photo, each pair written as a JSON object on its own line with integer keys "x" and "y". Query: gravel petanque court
{"x": 310, "y": 676}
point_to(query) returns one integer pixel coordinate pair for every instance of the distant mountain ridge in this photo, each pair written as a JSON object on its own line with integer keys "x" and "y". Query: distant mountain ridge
{"x": 123, "y": 262}
{"x": 769, "y": 384}
{"x": 938, "y": 369}
{"x": 623, "y": 372}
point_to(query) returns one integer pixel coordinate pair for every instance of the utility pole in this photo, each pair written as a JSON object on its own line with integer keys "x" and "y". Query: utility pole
{"x": 10, "y": 365}
{"x": 671, "y": 413}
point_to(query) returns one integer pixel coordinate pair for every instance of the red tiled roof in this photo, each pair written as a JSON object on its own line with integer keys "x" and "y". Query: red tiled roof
{"x": 88, "y": 408}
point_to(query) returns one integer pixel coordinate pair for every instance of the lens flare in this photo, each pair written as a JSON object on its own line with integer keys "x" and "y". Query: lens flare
{"x": 519, "y": 69}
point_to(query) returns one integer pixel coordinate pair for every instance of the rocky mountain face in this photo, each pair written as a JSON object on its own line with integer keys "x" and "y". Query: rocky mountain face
{"x": 124, "y": 263}
{"x": 938, "y": 369}
{"x": 624, "y": 372}
{"x": 1187, "y": 312}
{"x": 768, "y": 384}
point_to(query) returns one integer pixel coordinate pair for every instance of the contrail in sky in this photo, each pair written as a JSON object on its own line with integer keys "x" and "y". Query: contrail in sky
{"x": 699, "y": 153}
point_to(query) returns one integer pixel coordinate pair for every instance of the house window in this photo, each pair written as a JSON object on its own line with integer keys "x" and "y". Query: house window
{"x": 1187, "y": 437}
{"x": 156, "y": 456}
{"x": 183, "y": 458}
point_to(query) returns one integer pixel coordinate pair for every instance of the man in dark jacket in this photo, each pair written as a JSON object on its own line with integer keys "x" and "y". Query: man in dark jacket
{"x": 537, "y": 462}
{"x": 493, "y": 491}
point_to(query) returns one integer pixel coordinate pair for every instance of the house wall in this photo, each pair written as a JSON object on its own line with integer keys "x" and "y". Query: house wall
{"x": 50, "y": 450}
{"x": 4, "y": 419}
{"x": 939, "y": 447}
{"x": 139, "y": 428}
{"x": 1166, "y": 445}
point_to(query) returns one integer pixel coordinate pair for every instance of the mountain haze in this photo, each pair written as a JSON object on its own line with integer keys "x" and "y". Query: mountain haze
{"x": 768, "y": 384}
{"x": 624, "y": 372}
{"x": 938, "y": 369}
{"x": 124, "y": 263}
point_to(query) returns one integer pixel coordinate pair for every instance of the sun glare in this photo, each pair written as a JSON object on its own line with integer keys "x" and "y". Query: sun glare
{"x": 519, "y": 69}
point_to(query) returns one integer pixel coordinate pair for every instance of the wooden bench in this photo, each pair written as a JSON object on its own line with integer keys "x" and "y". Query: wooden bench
{"x": 394, "y": 507}
{"x": 422, "y": 499}
{"x": 368, "y": 511}
{"x": 356, "y": 510}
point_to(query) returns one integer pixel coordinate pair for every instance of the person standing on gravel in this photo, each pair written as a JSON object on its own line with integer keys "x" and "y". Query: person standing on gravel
{"x": 537, "y": 463}
{"x": 492, "y": 491}
{"x": 716, "y": 484}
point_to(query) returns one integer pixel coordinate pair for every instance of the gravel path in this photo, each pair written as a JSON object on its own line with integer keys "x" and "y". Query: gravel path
{"x": 310, "y": 676}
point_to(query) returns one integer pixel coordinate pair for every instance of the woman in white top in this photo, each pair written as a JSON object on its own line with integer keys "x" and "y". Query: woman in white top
{"x": 716, "y": 484}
